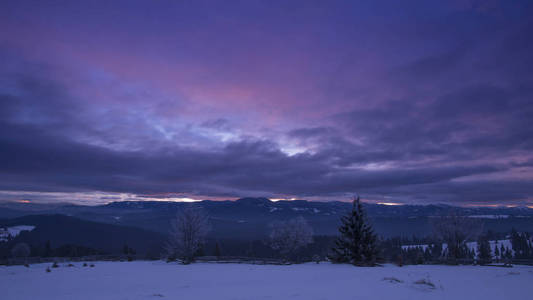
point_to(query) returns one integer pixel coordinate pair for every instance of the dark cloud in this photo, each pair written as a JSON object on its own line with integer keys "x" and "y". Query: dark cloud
{"x": 248, "y": 166}
{"x": 420, "y": 102}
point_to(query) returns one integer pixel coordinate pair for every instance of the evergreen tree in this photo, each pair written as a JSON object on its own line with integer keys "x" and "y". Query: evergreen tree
{"x": 218, "y": 253}
{"x": 47, "y": 249}
{"x": 496, "y": 251}
{"x": 419, "y": 256}
{"x": 250, "y": 252}
{"x": 436, "y": 251}
{"x": 73, "y": 251}
{"x": 483, "y": 250}
{"x": 200, "y": 251}
{"x": 427, "y": 254}
{"x": 508, "y": 254}
{"x": 470, "y": 253}
{"x": 521, "y": 245}
{"x": 357, "y": 243}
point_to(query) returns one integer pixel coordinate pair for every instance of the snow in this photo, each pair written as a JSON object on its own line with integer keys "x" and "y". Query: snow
{"x": 150, "y": 280}
{"x": 489, "y": 216}
{"x": 424, "y": 246}
{"x": 470, "y": 245}
{"x": 13, "y": 231}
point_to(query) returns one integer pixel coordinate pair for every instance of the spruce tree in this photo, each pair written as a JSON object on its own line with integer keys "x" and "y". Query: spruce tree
{"x": 47, "y": 249}
{"x": 508, "y": 253}
{"x": 483, "y": 250}
{"x": 436, "y": 251}
{"x": 218, "y": 252}
{"x": 357, "y": 243}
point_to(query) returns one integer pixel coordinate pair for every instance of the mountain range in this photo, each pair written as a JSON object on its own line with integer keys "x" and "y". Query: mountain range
{"x": 249, "y": 218}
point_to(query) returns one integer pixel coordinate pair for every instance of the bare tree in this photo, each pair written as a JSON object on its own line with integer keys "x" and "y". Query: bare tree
{"x": 455, "y": 231}
{"x": 187, "y": 234}
{"x": 288, "y": 236}
{"x": 21, "y": 250}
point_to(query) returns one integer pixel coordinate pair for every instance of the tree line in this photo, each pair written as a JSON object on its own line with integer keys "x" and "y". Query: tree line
{"x": 356, "y": 243}
{"x": 294, "y": 241}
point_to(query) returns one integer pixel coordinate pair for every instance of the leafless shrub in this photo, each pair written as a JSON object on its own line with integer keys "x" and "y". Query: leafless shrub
{"x": 426, "y": 282}
{"x": 187, "y": 234}
{"x": 288, "y": 236}
{"x": 21, "y": 250}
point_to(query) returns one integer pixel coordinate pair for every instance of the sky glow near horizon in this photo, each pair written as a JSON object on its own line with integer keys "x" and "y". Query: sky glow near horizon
{"x": 411, "y": 102}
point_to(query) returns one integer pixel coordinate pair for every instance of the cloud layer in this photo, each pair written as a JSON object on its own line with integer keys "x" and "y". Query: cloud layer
{"x": 423, "y": 102}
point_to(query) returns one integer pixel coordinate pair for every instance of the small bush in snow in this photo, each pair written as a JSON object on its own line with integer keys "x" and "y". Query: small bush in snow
{"x": 392, "y": 280}
{"x": 91, "y": 265}
{"x": 170, "y": 259}
{"x": 425, "y": 282}
{"x": 55, "y": 265}
{"x": 48, "y": 270}
{"x": 316, "y": 258}
{"x": 85, "y": 264}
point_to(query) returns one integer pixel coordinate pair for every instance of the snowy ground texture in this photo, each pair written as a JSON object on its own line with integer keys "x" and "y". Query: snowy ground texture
{"x": 156, "y": 280}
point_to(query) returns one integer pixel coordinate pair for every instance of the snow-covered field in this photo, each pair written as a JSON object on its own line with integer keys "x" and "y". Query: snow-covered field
{"x": 150, "y": 280}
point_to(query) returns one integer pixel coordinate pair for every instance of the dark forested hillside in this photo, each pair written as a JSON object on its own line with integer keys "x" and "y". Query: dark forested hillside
{"x": 60, "y": 230}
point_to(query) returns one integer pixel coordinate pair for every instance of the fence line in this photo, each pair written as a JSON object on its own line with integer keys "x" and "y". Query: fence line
{"x": 241, "y": 260}
{"x": 235, "y": 260}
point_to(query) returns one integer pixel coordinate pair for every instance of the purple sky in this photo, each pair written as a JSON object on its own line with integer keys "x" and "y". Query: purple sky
{"x": 400, "y": 101}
